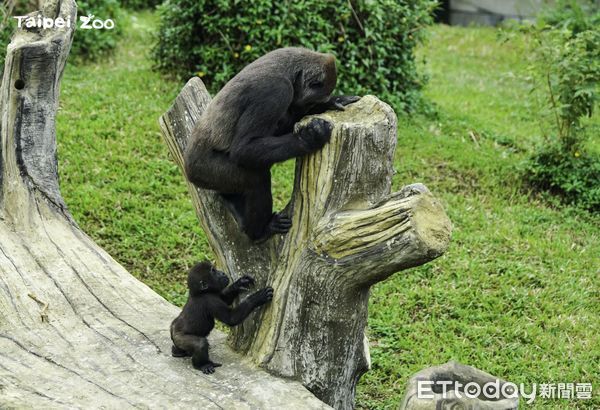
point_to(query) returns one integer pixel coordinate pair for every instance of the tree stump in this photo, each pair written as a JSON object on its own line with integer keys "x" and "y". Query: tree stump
{"x": 456, "y": 386}
{"x": 348, "y": 233}
{"x": 77, "y": 330}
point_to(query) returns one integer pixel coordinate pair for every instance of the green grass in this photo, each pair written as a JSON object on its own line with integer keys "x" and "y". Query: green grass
{"x": 517, "y": 292}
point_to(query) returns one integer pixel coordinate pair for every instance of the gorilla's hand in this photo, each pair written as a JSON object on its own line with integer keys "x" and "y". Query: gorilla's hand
{"x": 316, "y": 133}
{"x": 244, "y": 283}
{"x": 263, "y": 296}
{"x": 340, "y": 101}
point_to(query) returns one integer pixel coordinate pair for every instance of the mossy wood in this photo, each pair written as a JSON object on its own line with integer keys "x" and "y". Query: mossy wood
{"x": 348, "y": 233}
{"x": 76, "y": 329}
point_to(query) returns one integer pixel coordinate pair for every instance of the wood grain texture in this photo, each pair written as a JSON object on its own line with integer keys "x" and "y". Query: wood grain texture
{"x": 348, "y": 233}
{"x": 76, "y": 329}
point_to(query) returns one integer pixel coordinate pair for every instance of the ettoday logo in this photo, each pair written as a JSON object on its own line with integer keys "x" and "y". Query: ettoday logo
{"x": 497, "y": 390}
{"x": 86, "y": 22}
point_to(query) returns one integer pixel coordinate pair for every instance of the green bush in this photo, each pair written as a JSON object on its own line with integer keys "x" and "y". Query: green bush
{"x": 140, "y": 4}
{"x": 572, "y": 15}
{"x": 91, "y": 44}
{"x": 87, "y": 44}
{"x": 373, "y": 41}
{"x": 566, "y": 72}
{"x": 6, "y": 29}
{"x": 571, "y": 176}
{"x": 4, "y": 40}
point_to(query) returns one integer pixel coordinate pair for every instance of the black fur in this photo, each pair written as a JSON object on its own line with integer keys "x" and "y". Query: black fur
{"x": 210, "y": 298}
{"x": 248, "y": 127}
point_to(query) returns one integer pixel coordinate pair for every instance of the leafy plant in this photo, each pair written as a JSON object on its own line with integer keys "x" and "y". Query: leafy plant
{"x": 6, "y": 28}
{"x": 566, "y": 71}
{"x": 140, "y": 4}
{"x": 87, "y": 44}
{"x": 91, "y": 44}
{"x": 372, "y": 40}
{"x": 573, "y": 177}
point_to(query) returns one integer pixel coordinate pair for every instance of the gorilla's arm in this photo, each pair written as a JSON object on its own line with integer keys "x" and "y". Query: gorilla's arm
{"x": 256, "y": 147}
{"x": 234, "y": 316}
{"x": 262, "y": 152}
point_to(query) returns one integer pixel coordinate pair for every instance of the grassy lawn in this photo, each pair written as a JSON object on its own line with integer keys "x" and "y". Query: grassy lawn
{"x": 517, "y": 293}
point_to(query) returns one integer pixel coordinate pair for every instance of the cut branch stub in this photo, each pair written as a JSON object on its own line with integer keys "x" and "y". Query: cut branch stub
{"x": 348, "y": 233}
{"x": 406, "y": 229}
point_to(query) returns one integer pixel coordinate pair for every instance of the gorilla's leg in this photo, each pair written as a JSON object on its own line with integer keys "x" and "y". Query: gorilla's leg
{"x": 246, "y": 193}
{"x": 197, "y": 347}
{"x": 258, "y": 208}
{"x": 215, "y": 170}
{"x": 200, "y": 355}
{"x": 177, "y": 352}
{"x": 200, "y": 358}
{"x": 259, "y": 222}
{"x": 235, "y": 203}
{"x": 176, "y": 333}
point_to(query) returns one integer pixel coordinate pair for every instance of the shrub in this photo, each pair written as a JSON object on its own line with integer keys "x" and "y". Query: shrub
{"x": 566, "y": 67}
{"x": 87, "y": 44}
{"x": 140, "y": 4}
{"x": 572, "y": 177}
{"x": 6, "y": 28}
{"x": 373, "y": 41}
{"x": 572, "y": 15}
{"x": 91, "y": 44}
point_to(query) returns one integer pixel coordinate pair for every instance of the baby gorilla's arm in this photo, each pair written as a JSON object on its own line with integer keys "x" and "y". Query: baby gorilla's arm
{"x": 235, "y": 316}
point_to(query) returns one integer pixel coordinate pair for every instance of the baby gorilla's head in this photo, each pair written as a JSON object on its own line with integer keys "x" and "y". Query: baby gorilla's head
{"x": 204, "y": 278}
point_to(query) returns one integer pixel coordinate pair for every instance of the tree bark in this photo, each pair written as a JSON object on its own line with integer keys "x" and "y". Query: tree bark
{"x": 348, "y": 233}
{"x": 77, "y": 330}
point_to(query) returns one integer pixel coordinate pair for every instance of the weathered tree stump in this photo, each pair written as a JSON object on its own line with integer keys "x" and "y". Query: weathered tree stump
{"x": 348, "y": 233}
{"x": 456, "y": 386}
{"x": 77, "y": 330}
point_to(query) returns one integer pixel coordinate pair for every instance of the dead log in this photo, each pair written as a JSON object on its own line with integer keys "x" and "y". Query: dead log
{"x": 348, "y": 233}
{"x": 76, "y": 329}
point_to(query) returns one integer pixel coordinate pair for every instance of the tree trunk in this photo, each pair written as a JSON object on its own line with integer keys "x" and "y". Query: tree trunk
{"x": 77, "y": 330}
{"x": 348, "y": 233}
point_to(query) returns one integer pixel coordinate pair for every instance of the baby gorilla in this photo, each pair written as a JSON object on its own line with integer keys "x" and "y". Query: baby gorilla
{"x": 210, "y": 298}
